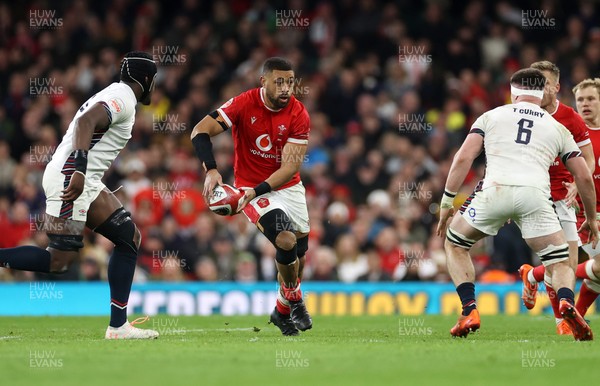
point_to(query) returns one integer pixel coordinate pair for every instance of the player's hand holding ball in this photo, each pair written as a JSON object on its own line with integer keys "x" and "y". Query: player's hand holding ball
{"x": 225, "y": 200}
{"x": 212, "y": 179}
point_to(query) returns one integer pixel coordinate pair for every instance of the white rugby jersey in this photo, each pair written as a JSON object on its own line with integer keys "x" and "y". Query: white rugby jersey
{"x": 521, "y": 141}
{"x": 119, "y": 101}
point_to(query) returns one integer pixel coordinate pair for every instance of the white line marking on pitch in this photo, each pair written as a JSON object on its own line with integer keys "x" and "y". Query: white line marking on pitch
{"x": 213, "y": 329}
{"x": 10, "y": 337}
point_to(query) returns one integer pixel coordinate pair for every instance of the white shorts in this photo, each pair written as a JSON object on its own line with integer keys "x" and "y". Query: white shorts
{"x": 568, "y": 219}
{"x": 53, "y": 183}
{"x": 528, "y": 207}
{"x": 291, "y": 200}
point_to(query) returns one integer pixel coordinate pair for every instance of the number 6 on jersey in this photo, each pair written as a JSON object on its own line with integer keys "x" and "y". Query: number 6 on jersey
{"x": 524, "y": 131}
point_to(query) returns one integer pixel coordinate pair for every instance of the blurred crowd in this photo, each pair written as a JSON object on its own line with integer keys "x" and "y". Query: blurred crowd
{"x": 391, "y": 89}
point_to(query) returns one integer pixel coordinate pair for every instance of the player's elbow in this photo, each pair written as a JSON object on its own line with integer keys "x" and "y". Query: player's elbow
{"x": 196, "y": 130}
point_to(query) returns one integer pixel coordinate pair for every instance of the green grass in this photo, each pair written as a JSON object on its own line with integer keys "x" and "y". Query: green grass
{"x": 338, "y": 351}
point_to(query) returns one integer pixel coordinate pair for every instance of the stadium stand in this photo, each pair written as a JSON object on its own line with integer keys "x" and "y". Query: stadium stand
{"x": 391, "y": 88}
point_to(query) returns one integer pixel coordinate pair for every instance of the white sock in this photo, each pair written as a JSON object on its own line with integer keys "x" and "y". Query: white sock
{"x": 589, "y": 271}
{"x": 282, "y": 299}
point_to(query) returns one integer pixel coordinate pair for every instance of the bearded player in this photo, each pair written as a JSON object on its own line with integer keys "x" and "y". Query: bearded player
{"x": 270, "y": 132}
{"x": 559, "y": 180}
{"x": 587, "y": 99}
{"x": 76, "y": 196}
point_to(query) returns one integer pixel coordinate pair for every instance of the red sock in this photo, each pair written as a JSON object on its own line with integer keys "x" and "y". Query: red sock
{"x": 282, "y": 308}
{"x": 553, "y": 300}
{"x": 581, "y": 272}
{"x": 587, "y": 296}
{"x": 538, "y": 273}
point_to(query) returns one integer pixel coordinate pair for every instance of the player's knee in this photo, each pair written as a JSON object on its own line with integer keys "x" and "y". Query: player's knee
{"x": 278, "y": 229}
{"x": 455, "y": 239}
{"x": 285, "y": 243}
{"x": 285, "y": 240}
{"x": 553, "y": 254}
{"x": 120, "y": 229}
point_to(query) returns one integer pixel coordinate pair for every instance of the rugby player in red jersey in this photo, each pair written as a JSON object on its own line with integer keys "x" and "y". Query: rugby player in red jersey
{"x": 270, "y": 130}
{"x": 560, "y": 178}
{"x": 587, "y": 99}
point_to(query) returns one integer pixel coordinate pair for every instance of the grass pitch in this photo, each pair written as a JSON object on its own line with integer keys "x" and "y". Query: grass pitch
{"x": 244, "y": 350}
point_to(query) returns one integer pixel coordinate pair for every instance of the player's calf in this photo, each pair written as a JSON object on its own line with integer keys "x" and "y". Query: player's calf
{"x": 120, "y": 229}
{"x": 278, "y": 228}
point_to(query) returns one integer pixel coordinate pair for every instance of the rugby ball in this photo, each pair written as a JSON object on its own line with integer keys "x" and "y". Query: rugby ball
{"x": 225, "y": 200}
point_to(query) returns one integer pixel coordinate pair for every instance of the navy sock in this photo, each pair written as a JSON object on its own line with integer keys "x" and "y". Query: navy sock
{"x": 121, "y": 268}
{"x": 466, "y": 292}
{"x": 25, "y": 258}
{"x": 566, "y": 293}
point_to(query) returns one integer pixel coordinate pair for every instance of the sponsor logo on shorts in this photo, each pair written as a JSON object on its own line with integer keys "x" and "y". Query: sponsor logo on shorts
{"x": 472, "y": 212}
{"x": 263, "y": 202}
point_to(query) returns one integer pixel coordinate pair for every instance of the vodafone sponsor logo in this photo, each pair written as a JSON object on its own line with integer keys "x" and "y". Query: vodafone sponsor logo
{"x": 263, "y": 142}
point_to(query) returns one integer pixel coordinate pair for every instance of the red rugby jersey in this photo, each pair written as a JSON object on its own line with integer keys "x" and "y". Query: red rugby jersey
{"x": 259, "y": 134}
{"x": 558, "y": 172}
{"x": 595, "y": 138}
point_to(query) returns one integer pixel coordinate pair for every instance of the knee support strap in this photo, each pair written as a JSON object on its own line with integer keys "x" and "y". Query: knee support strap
{"x": 554, "y": 254}
{"x": 65, "y": 242}
{"x": 273, "y": 223}
{"x": 459, "y": 240}
{"x": 120, "y": 229}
